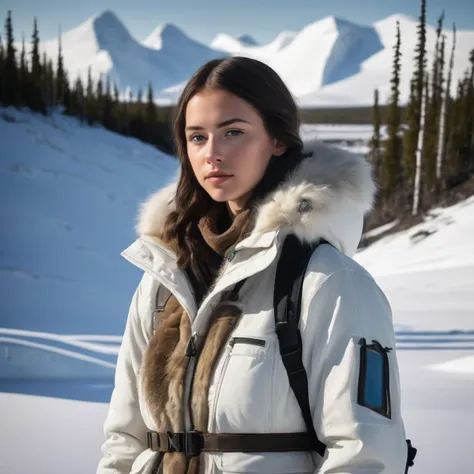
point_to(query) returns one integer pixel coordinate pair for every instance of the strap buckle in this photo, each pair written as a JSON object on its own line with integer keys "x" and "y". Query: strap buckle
{"x": 191, "y": 443}
{"x": 153, "y": 440}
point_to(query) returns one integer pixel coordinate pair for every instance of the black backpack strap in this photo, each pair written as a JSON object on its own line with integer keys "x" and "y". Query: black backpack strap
{"x": 289, "y": 279}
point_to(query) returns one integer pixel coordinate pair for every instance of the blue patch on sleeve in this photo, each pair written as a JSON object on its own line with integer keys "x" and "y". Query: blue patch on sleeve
{"x": 373, "y": 388}
{"x": 374, "y": 378}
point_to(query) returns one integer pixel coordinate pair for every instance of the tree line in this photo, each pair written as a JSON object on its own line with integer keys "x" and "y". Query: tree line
{"x": 33, "y": 82}
{"x": 432, "y": 150}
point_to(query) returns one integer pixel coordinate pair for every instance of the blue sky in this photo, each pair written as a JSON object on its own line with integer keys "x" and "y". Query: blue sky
{"x": 202, "y": 20}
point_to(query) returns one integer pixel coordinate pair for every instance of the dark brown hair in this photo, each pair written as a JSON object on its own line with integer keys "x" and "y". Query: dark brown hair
{"x": 260, "y": 86}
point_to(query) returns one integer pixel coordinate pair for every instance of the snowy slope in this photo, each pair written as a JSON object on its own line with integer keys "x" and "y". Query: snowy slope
{"x": 103, "y": 43}
{"x": 429, "y": 270}
{"x": 72, "y": 194}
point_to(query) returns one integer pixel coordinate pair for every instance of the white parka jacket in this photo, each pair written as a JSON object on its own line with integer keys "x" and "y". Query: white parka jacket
{"x": 249, "y": 390}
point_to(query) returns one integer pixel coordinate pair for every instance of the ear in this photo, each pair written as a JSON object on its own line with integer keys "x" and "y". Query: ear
{"x": 278, "y": 148}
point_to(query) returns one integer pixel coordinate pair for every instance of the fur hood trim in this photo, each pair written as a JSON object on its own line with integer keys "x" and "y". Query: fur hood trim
{"x": 326, "y": 197}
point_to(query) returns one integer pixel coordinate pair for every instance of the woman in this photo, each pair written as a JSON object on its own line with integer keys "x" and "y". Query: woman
{"x": 211, "y": 363}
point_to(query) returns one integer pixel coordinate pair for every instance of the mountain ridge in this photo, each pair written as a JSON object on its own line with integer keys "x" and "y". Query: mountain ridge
{"x": 329, "y": 62}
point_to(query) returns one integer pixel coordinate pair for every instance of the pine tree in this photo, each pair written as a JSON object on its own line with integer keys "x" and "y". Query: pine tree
{"x": 52, "y": 85}
{"x": 34, "y": 100}
{"x": 433, "y": 112}
{"x": 62, "y": 84}
{"x": 410, "y": 139}
{"x": 392, "y": 155}
{"x": 449, "y": 125}
{"x": 151, "y": 116}
{"x": 442, "y": 121}
{"x": 11, "y": 84}
{"x": 99, "y": 101}
{"x": 108, "y": 119}
{"x": 116, "y": 95}
{"x": 80, "y": 100}
{"x": 455, "y": 139}
{"x": 128, "y": 114}
{"x": 47, "y": 85}
{"x": 137, "y": 125}
{"x": 23, "y": 76}
{"x": 420, "y": 58}
{"x": 375, "y": 142}
{"x": 90, "y": 100}
{"x": 35, "y": 54}
{"x": 117, "y": 109}
{"x": 409, "y": 136}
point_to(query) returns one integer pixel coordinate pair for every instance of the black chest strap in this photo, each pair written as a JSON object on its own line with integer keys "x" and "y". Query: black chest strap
{"x": 192, "y": 443}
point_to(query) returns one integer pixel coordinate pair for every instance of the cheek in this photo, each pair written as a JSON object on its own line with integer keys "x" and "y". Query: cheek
{"x": 252, "y": 151}
{"x": 255, "y": 156}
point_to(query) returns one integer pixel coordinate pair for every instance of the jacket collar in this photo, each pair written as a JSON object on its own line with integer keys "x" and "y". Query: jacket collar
{"x": 326, "y": 197}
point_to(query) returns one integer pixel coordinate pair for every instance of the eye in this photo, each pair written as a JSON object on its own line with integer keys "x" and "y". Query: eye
{"x": 234, "y": 133}
{"x": 196, "y": 138}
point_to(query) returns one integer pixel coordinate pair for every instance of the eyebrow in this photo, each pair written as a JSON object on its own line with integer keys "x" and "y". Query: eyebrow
{"x": 219, "y": 125}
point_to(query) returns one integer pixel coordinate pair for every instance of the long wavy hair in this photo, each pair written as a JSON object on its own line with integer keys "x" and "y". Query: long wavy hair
{"x": 260, "y": 86}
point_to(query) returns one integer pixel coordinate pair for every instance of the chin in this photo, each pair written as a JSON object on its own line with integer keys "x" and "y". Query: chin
{"x": 220, "y": 195}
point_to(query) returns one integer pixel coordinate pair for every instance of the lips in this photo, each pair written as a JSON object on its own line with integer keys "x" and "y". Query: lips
{"x": 217, "y": 179}
{"x": 218, "y": 174}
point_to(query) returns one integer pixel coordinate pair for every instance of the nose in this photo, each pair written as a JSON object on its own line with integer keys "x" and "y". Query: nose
{"x": 212, "y": 151}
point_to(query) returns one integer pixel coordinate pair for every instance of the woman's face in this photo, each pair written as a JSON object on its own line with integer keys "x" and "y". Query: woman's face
{"x": 228, "y": 146}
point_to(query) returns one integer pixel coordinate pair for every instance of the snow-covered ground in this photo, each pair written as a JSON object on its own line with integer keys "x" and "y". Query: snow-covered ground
{"x": 70, "y": 197}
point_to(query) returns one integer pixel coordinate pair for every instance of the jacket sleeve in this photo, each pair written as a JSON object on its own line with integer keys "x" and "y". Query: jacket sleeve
{"x": 345, "y": 312}
{"x": 124, "y": 428}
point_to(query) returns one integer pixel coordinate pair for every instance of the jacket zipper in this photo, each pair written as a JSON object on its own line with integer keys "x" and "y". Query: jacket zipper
{"x": 192, "y": 351}
{"x": 228, "y": 350}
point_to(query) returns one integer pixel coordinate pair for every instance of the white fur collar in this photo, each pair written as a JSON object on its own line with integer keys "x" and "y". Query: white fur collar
{"x": 326, "y": 197}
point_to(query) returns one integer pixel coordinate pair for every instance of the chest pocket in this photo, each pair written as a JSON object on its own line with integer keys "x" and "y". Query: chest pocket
{"x": 243, "y": 382}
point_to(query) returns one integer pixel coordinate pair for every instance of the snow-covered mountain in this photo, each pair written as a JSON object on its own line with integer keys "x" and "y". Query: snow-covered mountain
{"x": 376, "y": 71}
{"x": 166, "y": 58}
{"x": 328, "y": 62}
{"x": 336, "y": 62}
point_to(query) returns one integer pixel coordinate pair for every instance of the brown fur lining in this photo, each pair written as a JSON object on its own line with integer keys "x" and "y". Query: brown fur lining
{"x": 164, "y": 368}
